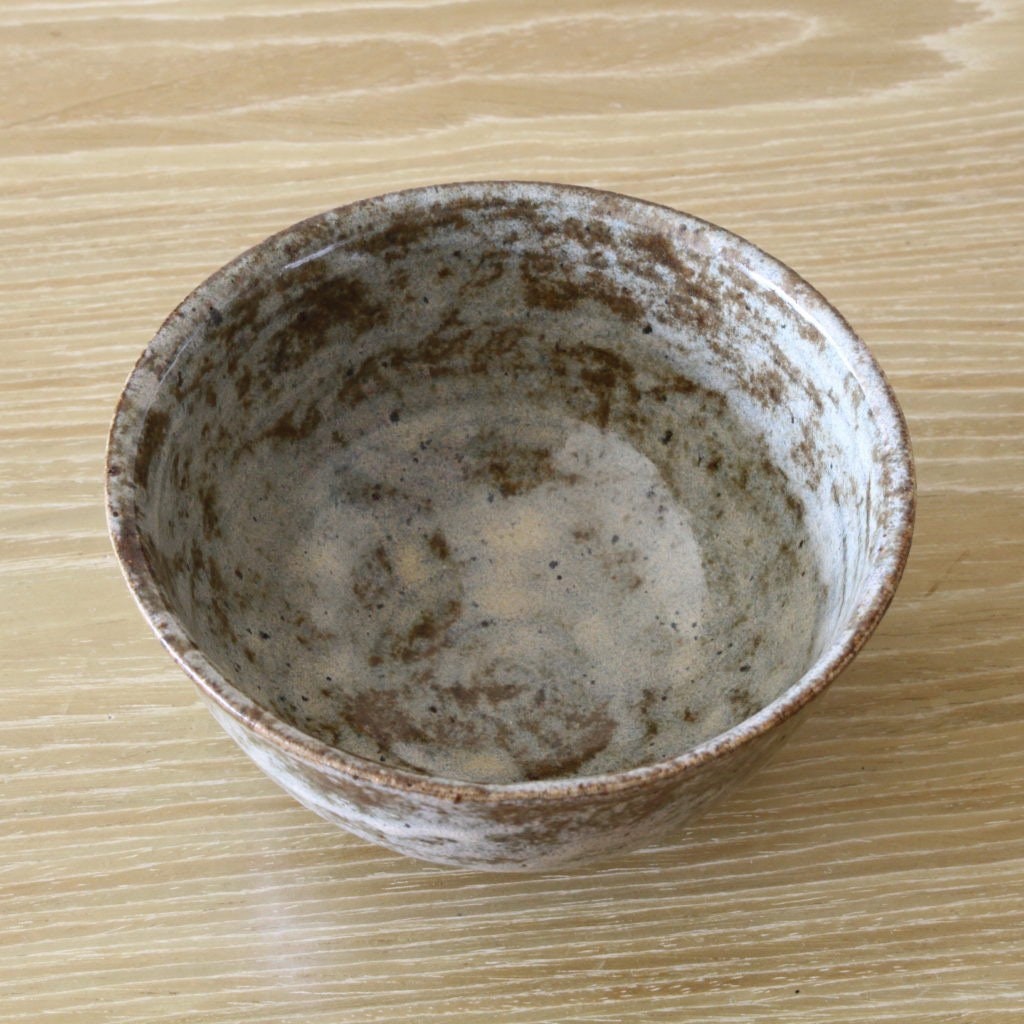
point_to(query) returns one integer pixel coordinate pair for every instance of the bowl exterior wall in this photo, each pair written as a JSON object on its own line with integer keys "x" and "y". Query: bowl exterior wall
{"x": 524, "y": 835}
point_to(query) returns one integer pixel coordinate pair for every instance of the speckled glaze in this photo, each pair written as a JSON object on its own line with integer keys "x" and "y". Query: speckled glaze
{"x": 508, "y": 524}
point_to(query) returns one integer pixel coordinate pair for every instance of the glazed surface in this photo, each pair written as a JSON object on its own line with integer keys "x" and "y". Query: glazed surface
{"x": 498, "y": 491}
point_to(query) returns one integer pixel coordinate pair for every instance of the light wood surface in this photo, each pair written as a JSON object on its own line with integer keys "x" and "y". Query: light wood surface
{"x": 875, "y": 872}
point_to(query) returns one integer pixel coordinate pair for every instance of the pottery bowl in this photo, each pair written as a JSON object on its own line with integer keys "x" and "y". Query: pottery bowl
{"x": 509, "y": 524}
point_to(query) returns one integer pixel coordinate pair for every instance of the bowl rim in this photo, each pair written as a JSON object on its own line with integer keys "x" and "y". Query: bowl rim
{"x": 186, "y": 323}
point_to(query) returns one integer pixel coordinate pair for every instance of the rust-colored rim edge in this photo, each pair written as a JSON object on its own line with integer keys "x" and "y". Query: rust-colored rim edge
{"x": 186, "y": 324}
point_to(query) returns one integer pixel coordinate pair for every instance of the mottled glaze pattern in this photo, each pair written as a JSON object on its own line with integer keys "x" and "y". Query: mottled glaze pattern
{"x": 507, "y": 524}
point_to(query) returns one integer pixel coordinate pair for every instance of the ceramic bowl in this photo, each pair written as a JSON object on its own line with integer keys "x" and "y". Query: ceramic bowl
{"x": 508, "y": 524}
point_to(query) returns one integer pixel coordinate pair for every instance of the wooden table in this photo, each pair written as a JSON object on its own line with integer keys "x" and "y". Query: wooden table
{"x": 875, "y": 872}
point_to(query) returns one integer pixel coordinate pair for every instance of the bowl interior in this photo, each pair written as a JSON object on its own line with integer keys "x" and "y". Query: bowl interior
{"x": 506, "y": 484}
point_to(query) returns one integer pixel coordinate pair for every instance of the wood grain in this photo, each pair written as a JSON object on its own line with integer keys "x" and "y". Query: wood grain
{"x": 875, "y": 872}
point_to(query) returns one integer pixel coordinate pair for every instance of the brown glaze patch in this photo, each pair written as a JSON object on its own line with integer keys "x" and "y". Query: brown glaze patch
{"x": 806, "y": 455}
{"x": 383, "y": 716}
{"x": 325, "y": 306}
{"x": 660, "y": 250}
{"x": 207, "y": 495}
{"x": 547, "y": 285}
{"x": 594, "y": 233}
{"x": 512, "y": 468}
{"x": 743, "y": 701}
{"x": 371, "y": 583}
{"x": 801, "y": 381}
{"x": 286, "y": 428}
{"x": 154, "y": 433}
{"x": 550, "y": 284}
{"x": 795, "y": 505}
{"x": 767, "y": 386}
{"x": 394, "y": 241}
{"x": 607, "y": 375}
{"x": 591, "y": 734}
{"x": 438, "y": 544}
{"x": 243, "y": 385}
{"x": 616, "y": 299}
{"x": 427, "y": 634}
{"x": 483, "y": 691}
